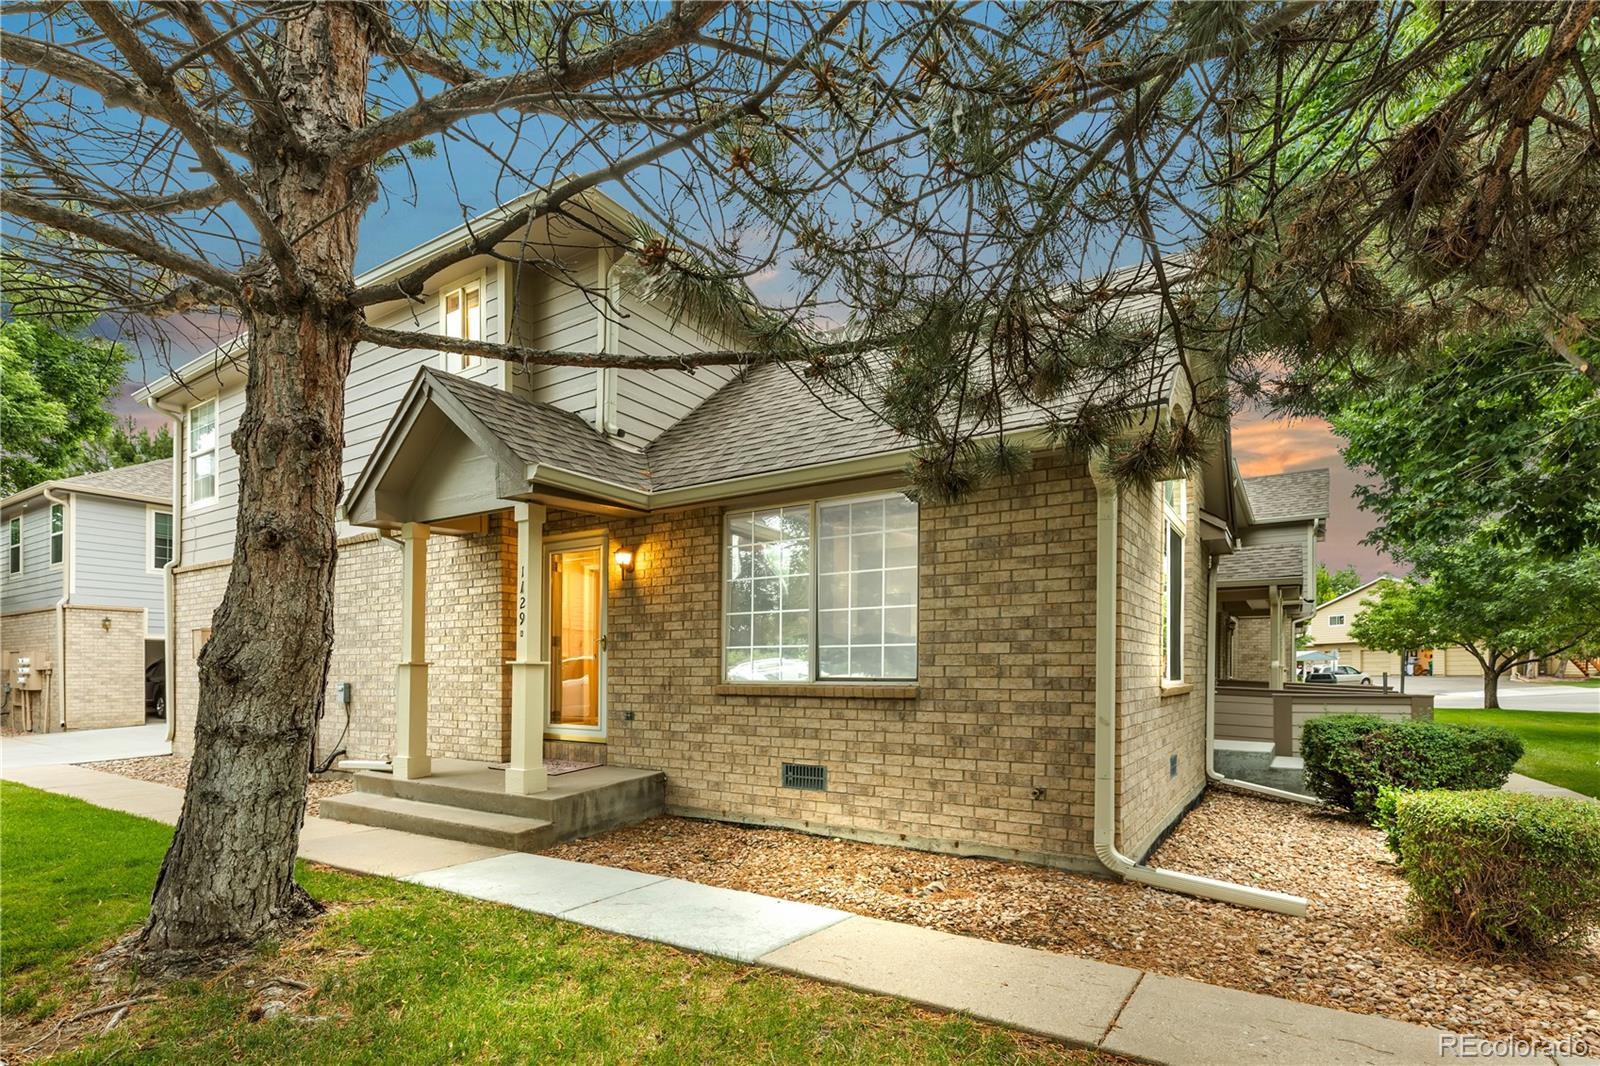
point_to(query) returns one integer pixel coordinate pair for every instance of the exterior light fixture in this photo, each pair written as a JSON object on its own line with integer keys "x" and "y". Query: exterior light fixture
{"x": 105, "y": 624}
{"x": 624, "y": 558}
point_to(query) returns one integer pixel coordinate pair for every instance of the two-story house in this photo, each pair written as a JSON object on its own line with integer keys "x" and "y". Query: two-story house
{"x": 82, "y": 596}
{"x": 717, "y": 577}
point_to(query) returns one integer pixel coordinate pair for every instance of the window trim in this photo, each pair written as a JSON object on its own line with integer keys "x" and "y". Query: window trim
{"x": 150, "y": 513}
{"x": 14, "y": 545}
{"x": 190, "y": 454}
{"x": 1336, "y": 620}
{"x": 577, "y": 541}
{"x": 456, "y": 362}
{"x": 901, "y": 686}
{"x": 1174, "y": 520}
{"x": 57, "y": 536}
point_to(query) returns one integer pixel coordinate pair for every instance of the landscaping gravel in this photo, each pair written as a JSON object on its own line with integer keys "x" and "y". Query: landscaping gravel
{"x": 174, "y": 770}
{"x": 1358, "y": 950}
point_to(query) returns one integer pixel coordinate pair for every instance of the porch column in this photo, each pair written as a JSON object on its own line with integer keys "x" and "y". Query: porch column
{"x": 530, "y": 677}
{"x": 411, "y": 676}
{"x": 1275, "y": 671}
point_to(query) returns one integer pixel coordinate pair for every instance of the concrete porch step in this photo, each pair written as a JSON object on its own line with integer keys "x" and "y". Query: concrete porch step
{"x": 488, "y": 828}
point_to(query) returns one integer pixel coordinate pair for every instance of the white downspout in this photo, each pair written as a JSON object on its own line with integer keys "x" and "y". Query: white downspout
{"x": 169, "y": 576}
{"x": 61, "y": 606}
{"x": 1211, "y": 707}
{"x": 1105, "y": 735}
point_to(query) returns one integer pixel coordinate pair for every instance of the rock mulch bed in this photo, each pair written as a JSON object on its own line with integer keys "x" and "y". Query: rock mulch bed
{"x": 173, "y": 770}
{"x": 1358, "y": 951}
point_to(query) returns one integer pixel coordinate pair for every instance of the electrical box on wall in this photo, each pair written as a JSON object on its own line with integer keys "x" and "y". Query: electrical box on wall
{"x": 344, "y": 693}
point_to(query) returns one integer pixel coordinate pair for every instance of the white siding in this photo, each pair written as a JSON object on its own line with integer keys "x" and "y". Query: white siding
{"x": 39, "y": 584}
{"x": 378, "y": 379}
{"x": 111, "y": 558}
{"x": 553, "y": 313}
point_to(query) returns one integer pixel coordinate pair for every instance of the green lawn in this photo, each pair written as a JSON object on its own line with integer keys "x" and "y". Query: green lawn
{"x": 409, "y": 974}
{"x": 1590, "y": 682}
{"x": 1560, "y": 747}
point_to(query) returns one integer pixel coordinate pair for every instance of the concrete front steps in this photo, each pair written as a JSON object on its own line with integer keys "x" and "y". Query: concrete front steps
{"x": 467, "y": 802}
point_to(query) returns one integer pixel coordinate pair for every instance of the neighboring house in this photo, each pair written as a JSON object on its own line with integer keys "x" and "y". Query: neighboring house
{"x": 1267, "y": 588}
{"x": 717, "y": 577}
{"x": 82, "y": 595}
{"x": 1329, "y": 631}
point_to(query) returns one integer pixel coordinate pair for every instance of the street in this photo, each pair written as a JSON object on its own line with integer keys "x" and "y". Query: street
{"x": 1514, "y": 695}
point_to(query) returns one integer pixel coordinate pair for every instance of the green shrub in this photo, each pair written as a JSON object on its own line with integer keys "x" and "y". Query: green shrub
{"x": 1349, "y": 757}
{"x": 1501, "y": 871}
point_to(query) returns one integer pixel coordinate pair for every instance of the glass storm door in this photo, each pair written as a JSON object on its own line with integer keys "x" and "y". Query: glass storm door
{"x": 577, "y": 594}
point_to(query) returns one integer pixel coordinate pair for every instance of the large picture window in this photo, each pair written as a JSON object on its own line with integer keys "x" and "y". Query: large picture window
{"x": 1174, "y": 506}
{"x": 822, "y": 591}
{"x": 203, "y": 453}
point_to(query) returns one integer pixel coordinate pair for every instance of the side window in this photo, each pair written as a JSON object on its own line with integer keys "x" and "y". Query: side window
{"x": 461, "y": 313}
{"x": 58, "y": 534}
{"x": 1336, "y": 619}
{"x": 14, "y": 546}
{"x": 203, "y": 453}
{"x": 1174, "y": 506}
{"x": 160, "y": 539}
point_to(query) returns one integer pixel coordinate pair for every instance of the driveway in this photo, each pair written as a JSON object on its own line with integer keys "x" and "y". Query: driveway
{"x": 83, "y": 745}
{"x": 1514, "y": 695}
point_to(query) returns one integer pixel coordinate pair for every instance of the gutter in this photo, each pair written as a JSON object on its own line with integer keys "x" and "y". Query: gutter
{"x": 1105, "y": 734}
{"x": 1211, "y": 709}
{"x": 169, "y": 577}
{"x": 61, "y": 604}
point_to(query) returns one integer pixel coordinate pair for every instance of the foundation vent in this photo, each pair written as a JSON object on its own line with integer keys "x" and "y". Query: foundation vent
{"x": 809, "y": 778}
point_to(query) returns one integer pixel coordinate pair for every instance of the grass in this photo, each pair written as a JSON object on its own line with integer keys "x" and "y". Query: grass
{"x": 1588, "y": 682}
{"x": 1561, "y": 747}
{"x": 402, "y": 973}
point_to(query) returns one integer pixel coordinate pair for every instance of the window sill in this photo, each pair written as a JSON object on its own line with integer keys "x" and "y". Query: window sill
{"x": 1176, "y": 688}
{"x": 823, "y": 689}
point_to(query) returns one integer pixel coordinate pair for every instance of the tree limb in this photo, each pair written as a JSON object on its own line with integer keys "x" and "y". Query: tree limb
{"x": 511, "y": 353}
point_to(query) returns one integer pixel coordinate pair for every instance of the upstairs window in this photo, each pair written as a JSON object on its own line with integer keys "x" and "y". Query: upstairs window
{"x": 160, "y": 539}
{"x": 1336, "y": 619}
{"x": 203, "y": 453}
{"x": 462, "y": 313}
{"x": 1174, "y": 509}
{"x": 821, "y": 591}
{"x": 58, "y": 534}
{"x": 14, "y": 546}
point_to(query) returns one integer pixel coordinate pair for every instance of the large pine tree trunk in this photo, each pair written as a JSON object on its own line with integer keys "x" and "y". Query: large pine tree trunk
{"x": 228, "y": 878}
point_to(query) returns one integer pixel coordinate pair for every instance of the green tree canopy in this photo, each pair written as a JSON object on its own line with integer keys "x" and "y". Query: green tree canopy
{"x": 1505, "y": 606}
{"x": 55, "y": 381}
{"x": 1497, "y": 429}
{"x": 128, "y": 443}
{"x": 1334, "y": 583}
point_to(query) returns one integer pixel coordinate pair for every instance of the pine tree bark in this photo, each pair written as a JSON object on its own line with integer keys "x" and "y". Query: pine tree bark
{"x": 228, "y": 878}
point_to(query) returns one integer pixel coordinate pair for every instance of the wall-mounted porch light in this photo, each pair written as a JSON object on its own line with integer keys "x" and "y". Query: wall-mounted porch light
{"x": 624, "y": 558}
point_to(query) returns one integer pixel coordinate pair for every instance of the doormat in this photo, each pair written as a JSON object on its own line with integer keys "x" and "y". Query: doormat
{"x": 554, "y": 767}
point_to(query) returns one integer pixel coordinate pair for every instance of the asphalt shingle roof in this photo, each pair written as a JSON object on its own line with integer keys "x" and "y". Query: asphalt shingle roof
{"x": 1299, "y": 494}
{"x": 152, "y": 480}
{"x": 1263, "y": 564}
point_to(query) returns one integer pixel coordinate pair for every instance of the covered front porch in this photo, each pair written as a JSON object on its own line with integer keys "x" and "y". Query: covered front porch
{"x": 441, "y": 474}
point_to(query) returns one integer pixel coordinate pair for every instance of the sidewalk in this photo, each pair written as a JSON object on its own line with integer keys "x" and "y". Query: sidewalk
{"x": 1122, "y": 1011}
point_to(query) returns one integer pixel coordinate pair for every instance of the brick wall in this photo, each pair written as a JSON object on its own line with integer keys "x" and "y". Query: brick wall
{"x": 105, "y": 666}
{"x": 1157, "y": 723}
{"x": 1252, "y": 649}
{"x": 471, "y": 635}
{"x": 32, "y": 633}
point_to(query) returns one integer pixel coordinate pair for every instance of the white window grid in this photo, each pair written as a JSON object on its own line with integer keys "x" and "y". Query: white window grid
{"x": 461, "y": 316}
{"x": 202, "y": 451}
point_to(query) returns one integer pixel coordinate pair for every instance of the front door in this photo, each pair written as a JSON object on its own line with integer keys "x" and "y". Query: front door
{"x": 577, "y": 637}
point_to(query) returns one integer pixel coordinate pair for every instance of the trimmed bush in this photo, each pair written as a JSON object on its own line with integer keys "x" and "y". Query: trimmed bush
{"x": 1349, "y": 757}
{"x": 1501, "y": 871}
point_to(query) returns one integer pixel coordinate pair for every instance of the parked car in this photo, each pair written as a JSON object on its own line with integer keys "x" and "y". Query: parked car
{"x": 1337, "y": 675}
{"x": 155, "y": 688}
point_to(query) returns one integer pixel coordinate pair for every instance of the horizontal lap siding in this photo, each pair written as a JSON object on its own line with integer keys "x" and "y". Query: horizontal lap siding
{"x": 111, "y": 554}
{"x": 651, "y": 401}
{"x": 39, "y": 584}
{"x": 553, "y": 314}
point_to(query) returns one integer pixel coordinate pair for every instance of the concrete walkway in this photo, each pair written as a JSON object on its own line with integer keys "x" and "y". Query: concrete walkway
{"x": 1144, "y": 1016}
{"x": 84, "y": 745}
{"x": 1520, "y": 783}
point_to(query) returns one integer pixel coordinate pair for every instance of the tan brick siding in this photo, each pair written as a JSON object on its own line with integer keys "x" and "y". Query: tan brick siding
{"x": 1252, "y": 649}
{"x": 103, "y": 676}
{"x": 33, "y": 633}
{"x": 1157, "y": 724}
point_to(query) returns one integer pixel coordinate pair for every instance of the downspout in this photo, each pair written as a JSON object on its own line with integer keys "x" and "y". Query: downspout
{"x": 1211, "y": 707}
{"x": 169, "y": 574}
{"x": 61, "y": 607}
{"x": 1105, "y": 734}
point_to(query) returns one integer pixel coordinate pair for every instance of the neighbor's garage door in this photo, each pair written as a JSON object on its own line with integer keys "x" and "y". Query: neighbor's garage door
{"x": 1458, "y": 662}
{"x": 1377, "y": 662}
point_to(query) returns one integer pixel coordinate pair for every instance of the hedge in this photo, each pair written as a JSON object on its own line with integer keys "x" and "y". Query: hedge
{"x": 1349, "y": 757}
{"x": 1501, "y": 871}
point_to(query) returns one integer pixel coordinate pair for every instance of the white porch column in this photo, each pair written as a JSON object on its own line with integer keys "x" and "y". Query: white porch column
{"x": 1275, "y": 669}
{"x": 530, "y": 677}
{"x": 411, "y": 676}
